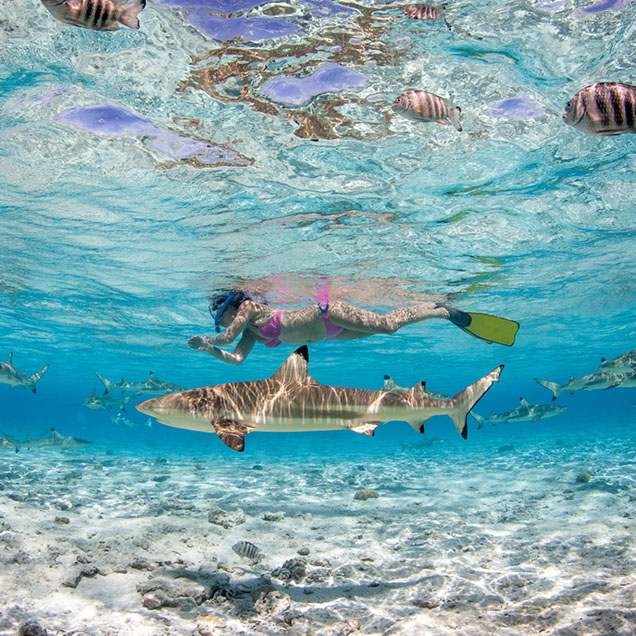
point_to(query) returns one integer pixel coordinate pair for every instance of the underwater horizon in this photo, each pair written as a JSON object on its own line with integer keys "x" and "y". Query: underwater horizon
{"x": 237, "y": 144}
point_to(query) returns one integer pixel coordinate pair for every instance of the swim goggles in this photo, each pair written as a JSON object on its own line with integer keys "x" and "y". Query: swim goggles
{"x": 219, "y": 313}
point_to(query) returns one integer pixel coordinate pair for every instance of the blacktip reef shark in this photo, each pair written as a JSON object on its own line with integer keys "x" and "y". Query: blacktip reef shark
{"x": 54, "y": 441}
{"x": 390, "y": 385}
{"x": 104, "y": 401}
{"x": 525, "y": 412}
{"x": 10, "y": 375}
{"x": 625, "y": 363}
{"x": 592, "y": 382}
{"x": 152, "y": 386}
{"x": 292, "y": 401}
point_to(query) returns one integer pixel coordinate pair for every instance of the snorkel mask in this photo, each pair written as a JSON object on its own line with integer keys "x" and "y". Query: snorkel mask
{"x": 219, "y": 313}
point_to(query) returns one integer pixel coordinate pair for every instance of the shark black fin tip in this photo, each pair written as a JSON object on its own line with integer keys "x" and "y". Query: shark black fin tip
{"x": 303, "y": 352}
{"x": 464, "y": 432}
{"x": 422, "y": 429}
{"x": 387, "y": 377}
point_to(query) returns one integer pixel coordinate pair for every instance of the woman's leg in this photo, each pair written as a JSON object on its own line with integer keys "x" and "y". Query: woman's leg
{"x": 354, "y": 318}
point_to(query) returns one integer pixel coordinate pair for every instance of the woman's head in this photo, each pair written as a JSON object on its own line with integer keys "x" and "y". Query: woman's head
{"x": 221, "y": 300}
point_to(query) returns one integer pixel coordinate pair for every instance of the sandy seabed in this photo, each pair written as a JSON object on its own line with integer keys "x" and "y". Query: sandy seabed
{"x": 508, "y": 541}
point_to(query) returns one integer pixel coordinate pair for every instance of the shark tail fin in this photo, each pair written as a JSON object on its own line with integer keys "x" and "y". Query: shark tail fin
{"x": 107, "y": 383}
{"x": 481, "y": 420}
{"x": 13, "y": 441}
{"x": 35, "y": 378}
{"x": 551, "y": 386}
{"x": 463, "y": 402}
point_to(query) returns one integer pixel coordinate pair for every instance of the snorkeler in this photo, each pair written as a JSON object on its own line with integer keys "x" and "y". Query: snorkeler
{"x": 337, "y": 320}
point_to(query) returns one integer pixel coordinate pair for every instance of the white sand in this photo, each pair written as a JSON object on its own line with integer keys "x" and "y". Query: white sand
{"x": 486, "y": 542}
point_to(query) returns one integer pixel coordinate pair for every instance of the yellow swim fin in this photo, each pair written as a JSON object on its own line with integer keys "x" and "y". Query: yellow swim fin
{"x": 485, "y": 326}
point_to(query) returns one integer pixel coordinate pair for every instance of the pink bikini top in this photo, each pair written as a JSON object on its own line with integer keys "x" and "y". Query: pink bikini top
{"x": 271, "y": 329}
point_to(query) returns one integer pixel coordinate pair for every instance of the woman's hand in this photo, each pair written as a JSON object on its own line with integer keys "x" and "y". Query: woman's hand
{"x": 201, "y": 343}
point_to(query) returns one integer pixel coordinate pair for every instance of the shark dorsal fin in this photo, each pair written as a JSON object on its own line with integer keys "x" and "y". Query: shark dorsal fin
{"x": 294, "y": 369}
{"x": 523, "y": 401}
{"x": 419, "y": 390}
{"x": 10, "y": 357}
{"x": 389, "y": 384}
{"x": 152, "y": 376}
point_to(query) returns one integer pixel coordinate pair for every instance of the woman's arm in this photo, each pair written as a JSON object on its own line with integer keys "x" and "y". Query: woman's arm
{"x": 246, "y": 312}
{"x": 241, "y": 350}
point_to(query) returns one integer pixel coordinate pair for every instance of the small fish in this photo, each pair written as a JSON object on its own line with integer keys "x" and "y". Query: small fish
{"x": 247, "y": 550}
{"x": 99, "y": 15}
{"x": 14, "y": 377}
{"x": 423, "y": 106}
{"x": 55, "y": 441}
{"x": 605, "y": 108}
{"x": 423, "y": 12}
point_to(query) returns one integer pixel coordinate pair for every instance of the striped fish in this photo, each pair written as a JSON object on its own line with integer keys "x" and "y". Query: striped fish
{"x": 423, "y": 12}
{"x": 247, "y": 550}
{"x": 605, "y": 108}
{"x": 99, "y": 15}
{"x": 423, "y": 106}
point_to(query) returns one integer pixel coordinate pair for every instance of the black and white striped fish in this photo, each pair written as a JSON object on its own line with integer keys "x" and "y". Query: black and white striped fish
{"x": 247, "y": 550}
{"x": 423, "y": 12}
{"x": 604, "y": 108}
{"x": 99, "y": 15}
{"x": 423, "y": 106}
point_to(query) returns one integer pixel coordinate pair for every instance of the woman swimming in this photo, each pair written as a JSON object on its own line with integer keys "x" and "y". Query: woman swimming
{"x": 336, "y": 320}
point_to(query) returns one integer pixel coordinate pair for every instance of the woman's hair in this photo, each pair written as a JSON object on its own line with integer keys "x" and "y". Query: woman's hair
{"x": 216, "y": 300}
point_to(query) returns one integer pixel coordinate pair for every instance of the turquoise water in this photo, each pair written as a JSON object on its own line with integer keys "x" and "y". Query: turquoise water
{"x": 142, "y": 170}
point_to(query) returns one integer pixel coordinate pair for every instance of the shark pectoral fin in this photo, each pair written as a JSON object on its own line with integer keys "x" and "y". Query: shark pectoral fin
{"x": 418, "y": 424}
{"x": 232, "y": 433}
{"x": 366, "y": 428}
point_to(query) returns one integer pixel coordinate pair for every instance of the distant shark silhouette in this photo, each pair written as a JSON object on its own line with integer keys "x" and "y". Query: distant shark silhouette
{"x": 525, "y": 412}
{"x": 291, "y": 400}
{"x": 593, "y": 382}
{"x": 105, "y": 401}
{"x": 152, "y": 386}
{"x": 55, "y": 441}
{"x": 10, "y": 375}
